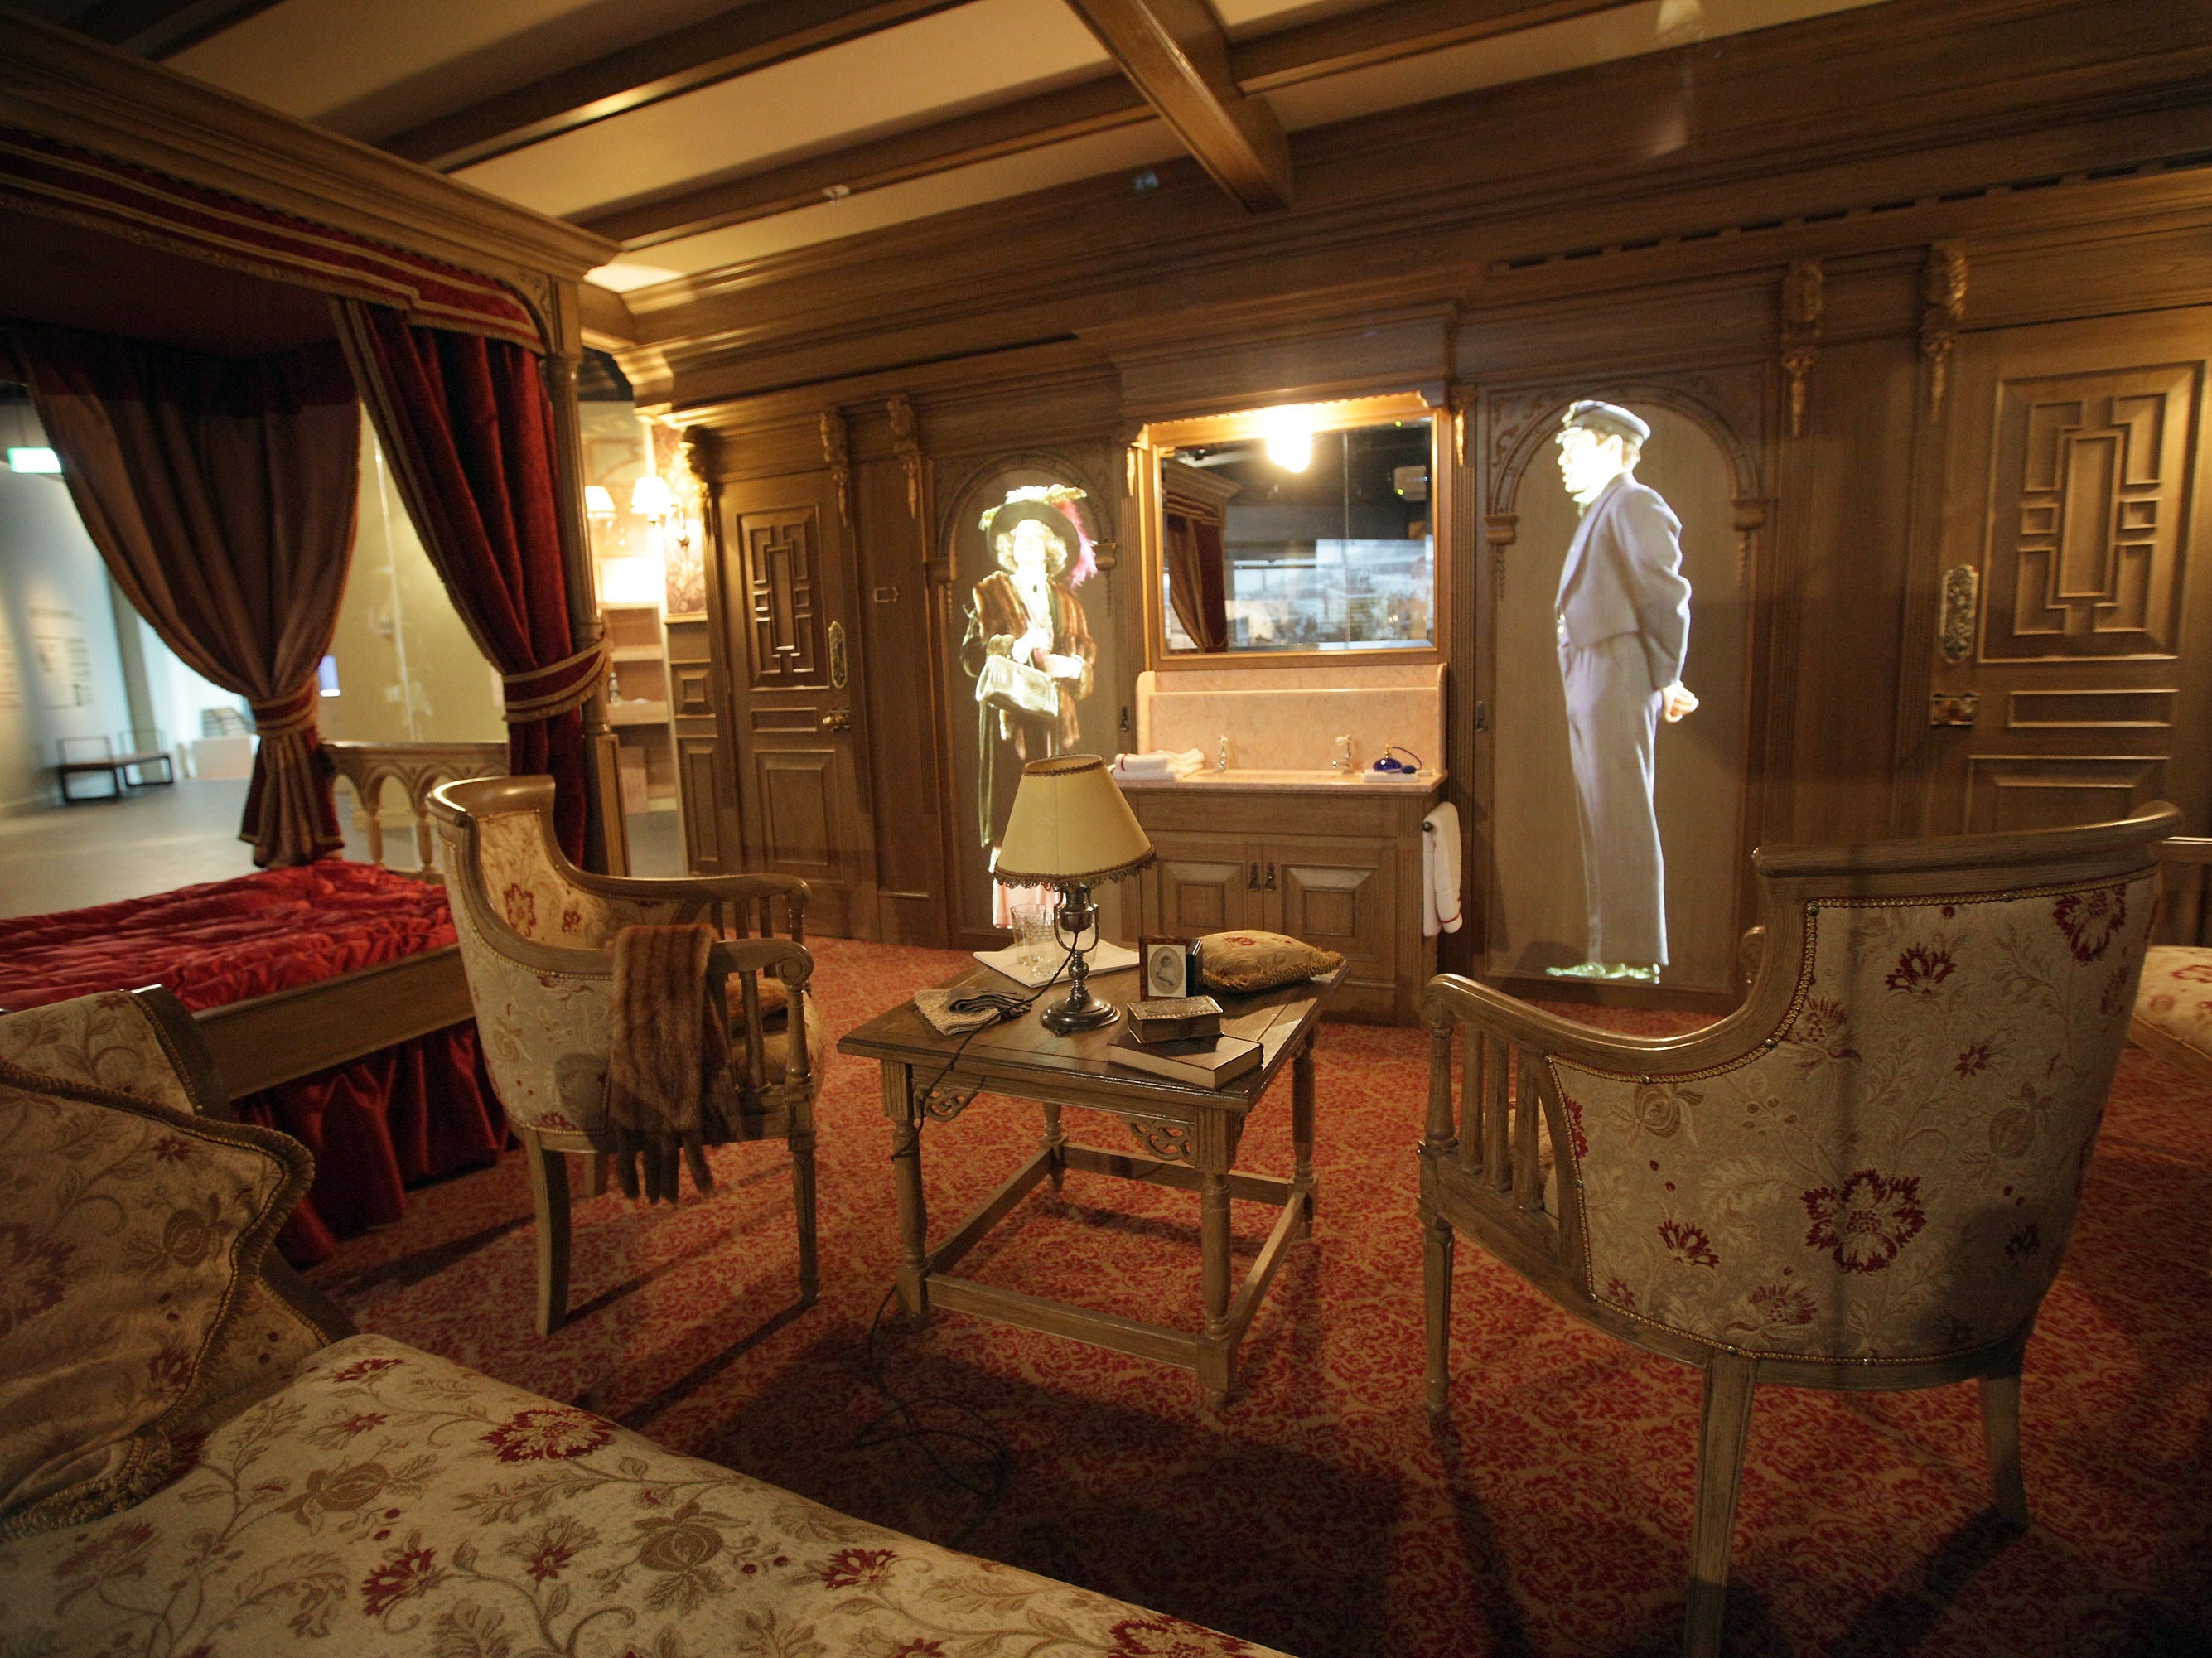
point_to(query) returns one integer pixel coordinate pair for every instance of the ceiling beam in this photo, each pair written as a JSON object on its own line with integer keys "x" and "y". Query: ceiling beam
{"x": 738, "y": 41}
{"x": 1175, "y": 52}
{"x": 1288, "y": 56}
{"x": 1096, "y": 106}
{"x": 162, "y": 28}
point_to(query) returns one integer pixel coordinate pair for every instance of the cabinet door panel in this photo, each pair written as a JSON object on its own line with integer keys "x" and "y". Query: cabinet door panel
{"x": 1338, "y": 895}
{"x": 1202, "y": 883}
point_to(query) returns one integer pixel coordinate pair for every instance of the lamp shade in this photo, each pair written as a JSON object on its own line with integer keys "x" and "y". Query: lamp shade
{"x": 1070, "y": 823}
{"x": 651, "y": 497}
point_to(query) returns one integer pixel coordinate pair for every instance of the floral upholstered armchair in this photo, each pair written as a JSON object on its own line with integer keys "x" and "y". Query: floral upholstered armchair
{"x": 1863, "y": 1178}
{"x": 198, "y": 1455}
{"x": 536, "y": 934}
{"x": 2174, "y": 1008}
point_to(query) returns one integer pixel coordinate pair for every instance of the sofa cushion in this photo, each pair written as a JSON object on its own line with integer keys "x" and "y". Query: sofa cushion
{"x": 393, "y": 1503}
{"x": 133, "y": 1238}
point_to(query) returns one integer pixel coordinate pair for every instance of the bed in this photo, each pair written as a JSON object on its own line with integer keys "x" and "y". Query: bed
{"x": 278, "y": 966}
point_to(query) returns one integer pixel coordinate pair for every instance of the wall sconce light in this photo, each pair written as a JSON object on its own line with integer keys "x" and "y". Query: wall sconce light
{"x": 1289, "y": 446}
{"x": 598, "y": 503}
{"x": 651, "y": 497}
{"x": 33, "y": 460}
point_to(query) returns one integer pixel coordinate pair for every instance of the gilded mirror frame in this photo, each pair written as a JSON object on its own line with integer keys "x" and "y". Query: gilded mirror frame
{"x": 1160, "y": 438}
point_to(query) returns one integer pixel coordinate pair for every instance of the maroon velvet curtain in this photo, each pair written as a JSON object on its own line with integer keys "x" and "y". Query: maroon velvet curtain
{"x": 1195, "y": 585}
{"x": 468, "y": 428}
{"x": 220, "y": 493}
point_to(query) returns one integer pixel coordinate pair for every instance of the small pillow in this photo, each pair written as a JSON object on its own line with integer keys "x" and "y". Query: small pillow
{"x": 133, "y": 1234}
{"x": 1260, "y": 960}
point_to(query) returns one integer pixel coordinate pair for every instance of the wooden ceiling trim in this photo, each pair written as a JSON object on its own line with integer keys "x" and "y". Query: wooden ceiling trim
{"x": 1287, "y": 58}
{"x": 1409, "y": 28}
{"x": 1095, "y": 106}
{"x": 1177, "y": 55}
{"x": 738, "y": 41}
{"x": 162, "y": 28}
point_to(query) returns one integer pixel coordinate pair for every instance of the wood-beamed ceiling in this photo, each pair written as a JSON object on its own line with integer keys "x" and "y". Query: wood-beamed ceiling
{"x": 712, "y": 132}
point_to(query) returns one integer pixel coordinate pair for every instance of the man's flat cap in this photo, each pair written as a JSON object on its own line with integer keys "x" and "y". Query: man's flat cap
{"x": 1607, "y": 419}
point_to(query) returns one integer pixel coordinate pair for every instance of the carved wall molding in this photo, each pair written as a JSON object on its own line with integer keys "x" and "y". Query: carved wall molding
{"x": 837, "y": 456}
{"x": 1962, "y": 590}
{"x": 1804, "y": 304}
{"x": 906, "y": 443}
{"x": 1943, "y": 295}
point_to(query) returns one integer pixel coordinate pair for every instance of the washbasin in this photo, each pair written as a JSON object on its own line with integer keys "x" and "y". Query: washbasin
{"x": 1264, "y": 777}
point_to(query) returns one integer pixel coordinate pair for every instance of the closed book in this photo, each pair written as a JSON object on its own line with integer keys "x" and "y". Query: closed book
{"x": 1173, "y": 1018}
{"x": 1206, "y": 1061}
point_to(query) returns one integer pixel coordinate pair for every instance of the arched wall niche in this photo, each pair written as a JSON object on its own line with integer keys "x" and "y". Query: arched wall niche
{"x": 1708, "y": 457}
{"x": 994, "y": 725}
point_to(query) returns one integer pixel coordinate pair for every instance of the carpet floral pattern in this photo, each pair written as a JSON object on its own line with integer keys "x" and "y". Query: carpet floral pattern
{"x": 1322, "y": 1512}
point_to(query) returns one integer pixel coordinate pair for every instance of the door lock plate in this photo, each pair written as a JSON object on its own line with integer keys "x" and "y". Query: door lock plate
{"x": 1955, "y": 707}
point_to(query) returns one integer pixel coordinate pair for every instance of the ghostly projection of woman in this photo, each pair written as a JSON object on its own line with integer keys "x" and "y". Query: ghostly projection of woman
{"x": 1028, "y": 648}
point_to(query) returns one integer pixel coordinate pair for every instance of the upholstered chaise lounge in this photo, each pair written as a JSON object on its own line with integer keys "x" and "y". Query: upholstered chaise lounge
{"x": 201, "y": 1457}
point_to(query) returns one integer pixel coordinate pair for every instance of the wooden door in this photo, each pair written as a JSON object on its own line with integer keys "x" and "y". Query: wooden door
{"x": 2070, "y": 673}
{"x": 1201, "y": 884}
{"x": 1339, "y": 894}
{"x": 787, "y": 608}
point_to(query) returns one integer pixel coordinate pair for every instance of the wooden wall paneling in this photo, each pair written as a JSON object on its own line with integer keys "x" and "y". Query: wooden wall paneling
{"x": 702, "y": 768}
{"x": 890, "y": 530}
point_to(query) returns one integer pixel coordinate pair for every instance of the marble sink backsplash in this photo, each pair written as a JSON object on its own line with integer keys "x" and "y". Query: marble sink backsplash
{"x": 1289, "y": 718}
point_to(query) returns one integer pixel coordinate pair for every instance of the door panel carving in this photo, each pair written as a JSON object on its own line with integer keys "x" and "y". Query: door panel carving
{"x": 796, "y": 790}
{"x": 781, "y": 563}
{"x": 2072, "y": 478}
{"x": 1337, "y": 895}
{"x": 1205, "y": 884}
{"x": 2088, "y": 543}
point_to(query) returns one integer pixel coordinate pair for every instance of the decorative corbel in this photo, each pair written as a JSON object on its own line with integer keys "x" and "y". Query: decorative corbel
{"x": 906, "y": 441}
{"x": 837, "y": 456}
{"x": 1804, "y": 303}
{"x": 1462, "y": 403}
{"x": 1943, "y": 295}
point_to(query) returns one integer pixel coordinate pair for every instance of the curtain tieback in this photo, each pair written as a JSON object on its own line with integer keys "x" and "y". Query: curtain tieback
{"x": 287, "y": 716}
{"x": 542, "y": 692}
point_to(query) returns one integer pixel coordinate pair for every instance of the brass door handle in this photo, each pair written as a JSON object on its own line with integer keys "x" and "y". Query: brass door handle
{"x": 837, "y": 719}
{"x": 1271, "y": 877}
{"x": 1254, "y": 884}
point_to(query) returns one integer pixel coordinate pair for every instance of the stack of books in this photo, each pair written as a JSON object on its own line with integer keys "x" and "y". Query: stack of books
{"x": 1179, "y": 1038}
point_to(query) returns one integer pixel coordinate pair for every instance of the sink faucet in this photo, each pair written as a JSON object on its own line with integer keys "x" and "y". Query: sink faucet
{"x": 1343, "y": 762}
{"x": 1221, "y": 757}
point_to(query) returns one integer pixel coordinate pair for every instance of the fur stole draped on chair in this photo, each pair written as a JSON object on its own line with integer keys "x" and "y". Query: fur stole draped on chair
{"x": 667, "y": 1051}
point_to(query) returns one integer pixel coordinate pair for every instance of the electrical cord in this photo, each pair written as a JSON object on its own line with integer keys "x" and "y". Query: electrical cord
{"x": 902, "y": 1419}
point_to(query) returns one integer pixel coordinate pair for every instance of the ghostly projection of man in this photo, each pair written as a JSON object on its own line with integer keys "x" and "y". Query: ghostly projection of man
{"x": 1029, "y": 649}
{"x": 1623, "y": 629}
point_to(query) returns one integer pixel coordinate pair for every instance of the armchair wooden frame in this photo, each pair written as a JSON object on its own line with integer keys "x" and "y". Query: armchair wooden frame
{"x": 1482, "y": 1171}
{"x": 743, "y": 910}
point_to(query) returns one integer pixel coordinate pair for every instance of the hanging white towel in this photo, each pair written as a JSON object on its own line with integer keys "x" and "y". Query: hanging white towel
{"x": 1440, "y": 871}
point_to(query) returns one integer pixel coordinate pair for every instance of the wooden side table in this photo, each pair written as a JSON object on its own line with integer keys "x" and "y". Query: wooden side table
{"x": 1189, "y": 1137}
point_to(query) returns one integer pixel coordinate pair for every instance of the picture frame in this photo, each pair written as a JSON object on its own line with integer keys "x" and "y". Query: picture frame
{"x": 1171, "y": 967}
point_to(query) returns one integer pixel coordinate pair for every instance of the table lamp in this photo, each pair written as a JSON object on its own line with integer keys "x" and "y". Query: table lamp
{"x": 1070, "y": 827}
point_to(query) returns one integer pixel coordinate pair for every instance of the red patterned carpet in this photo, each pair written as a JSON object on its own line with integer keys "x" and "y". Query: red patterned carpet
{"x": 1321, "y": 1513}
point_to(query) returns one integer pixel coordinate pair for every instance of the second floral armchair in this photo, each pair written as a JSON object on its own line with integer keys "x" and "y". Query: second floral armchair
{"x": 536, "y": 936}
{"x": 1864, "y": 1178}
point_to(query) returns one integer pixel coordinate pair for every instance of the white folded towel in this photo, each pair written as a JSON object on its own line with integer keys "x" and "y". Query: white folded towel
{"x": 1440, "y": 854}
{"x": 1158, "y": 764}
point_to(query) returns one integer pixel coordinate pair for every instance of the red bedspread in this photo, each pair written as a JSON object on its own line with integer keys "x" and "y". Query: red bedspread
{"x": 401, "y": 1114}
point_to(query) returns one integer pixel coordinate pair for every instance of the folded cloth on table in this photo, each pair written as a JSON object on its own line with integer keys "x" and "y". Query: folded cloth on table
{"x": 666, "y": 1055}
{"x": 1159, "y": 764}
{"x": 936, "y": 1006}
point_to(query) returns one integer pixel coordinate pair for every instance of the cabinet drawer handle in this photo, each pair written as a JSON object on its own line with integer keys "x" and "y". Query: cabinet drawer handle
{"x": 1254, "y": 884}
{"x": 1271, "y": 877}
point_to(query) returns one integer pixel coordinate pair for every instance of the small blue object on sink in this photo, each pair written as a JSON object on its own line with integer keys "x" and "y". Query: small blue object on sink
{"x": 1389, "y": 761}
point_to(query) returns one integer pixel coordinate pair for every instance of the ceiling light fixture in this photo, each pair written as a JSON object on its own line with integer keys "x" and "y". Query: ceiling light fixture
{"x": 34, "y": 460}
{"x": 1290, "y": 443}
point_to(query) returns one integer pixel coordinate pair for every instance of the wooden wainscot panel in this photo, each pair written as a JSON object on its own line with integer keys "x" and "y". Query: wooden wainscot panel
{"x": 2008, "y": 792}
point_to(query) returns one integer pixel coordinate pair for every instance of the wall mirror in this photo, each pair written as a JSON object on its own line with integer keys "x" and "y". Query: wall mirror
{"x": 1283, "y": 531}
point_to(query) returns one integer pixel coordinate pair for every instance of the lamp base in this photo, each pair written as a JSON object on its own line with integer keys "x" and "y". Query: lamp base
{"x": 1081, "y": 1012}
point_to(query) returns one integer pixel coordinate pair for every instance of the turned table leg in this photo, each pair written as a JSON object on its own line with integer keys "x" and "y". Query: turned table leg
{"x": 906, "y": 1178}
{"x": 1216, "y": 1361}
{"x": 1056, "y": 1143}
{"x": 1302, "y": 1131}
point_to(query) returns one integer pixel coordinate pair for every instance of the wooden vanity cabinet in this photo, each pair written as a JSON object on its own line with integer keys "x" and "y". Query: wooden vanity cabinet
{"x": 1348, "y": 879}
